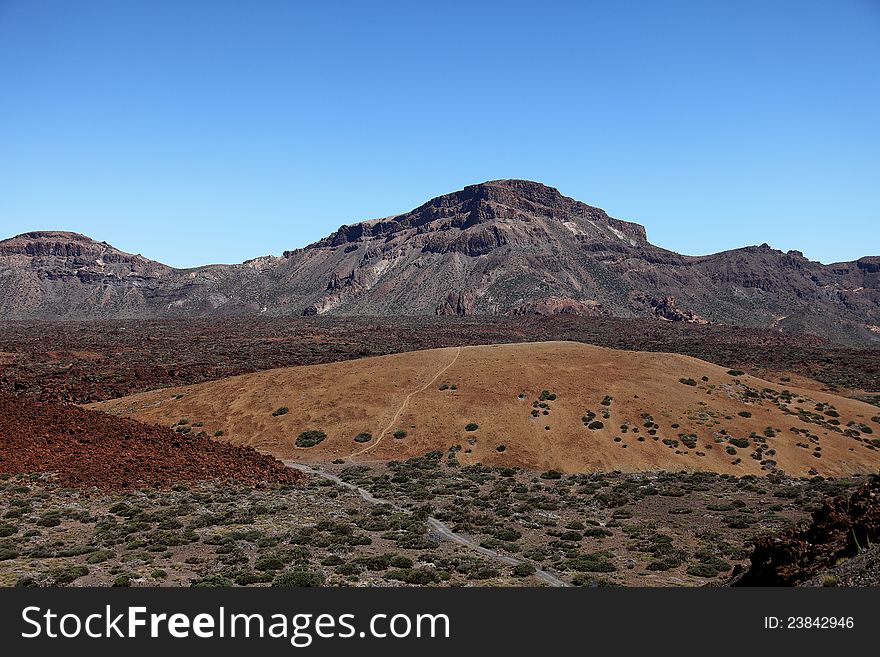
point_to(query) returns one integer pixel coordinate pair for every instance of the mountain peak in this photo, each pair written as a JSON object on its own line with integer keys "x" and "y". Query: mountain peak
{"x": 508, "y": 204}
{"x": 64, "y": 245}
{"x": 50, "y": 235}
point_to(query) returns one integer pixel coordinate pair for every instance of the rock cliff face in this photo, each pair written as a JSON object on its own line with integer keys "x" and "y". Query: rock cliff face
{"x": 501, "y": 247}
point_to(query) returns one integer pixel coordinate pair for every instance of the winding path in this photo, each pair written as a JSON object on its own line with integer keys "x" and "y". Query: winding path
{"x": 438, "y": 526}
{"x": 406, "y": 399}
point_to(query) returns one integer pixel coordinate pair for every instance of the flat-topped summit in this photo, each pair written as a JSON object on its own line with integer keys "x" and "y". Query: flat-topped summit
{"x": 65, "y": 244}
{"x": 505, "y": 203}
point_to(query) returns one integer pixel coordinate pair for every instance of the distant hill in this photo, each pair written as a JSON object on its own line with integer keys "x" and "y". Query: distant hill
{"x": 562, "y": 405}
{"x": 500, "y": 247}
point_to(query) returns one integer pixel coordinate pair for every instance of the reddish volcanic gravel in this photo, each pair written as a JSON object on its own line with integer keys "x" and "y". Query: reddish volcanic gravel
{"x": 90, "y": 449}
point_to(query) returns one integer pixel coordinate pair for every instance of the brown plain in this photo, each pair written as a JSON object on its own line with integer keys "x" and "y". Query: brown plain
{"x": 401, "y": 392}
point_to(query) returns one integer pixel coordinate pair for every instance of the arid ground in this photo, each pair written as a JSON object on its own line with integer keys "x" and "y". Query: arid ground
{"x": 430, "y": 460}
{"x": 561, "y": 405}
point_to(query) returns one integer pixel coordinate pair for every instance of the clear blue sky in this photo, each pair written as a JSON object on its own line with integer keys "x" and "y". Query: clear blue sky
{"x": 215, "y": 131}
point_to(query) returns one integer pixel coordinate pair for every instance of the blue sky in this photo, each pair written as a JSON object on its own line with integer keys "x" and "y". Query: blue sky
{"x": 197, "y": 132}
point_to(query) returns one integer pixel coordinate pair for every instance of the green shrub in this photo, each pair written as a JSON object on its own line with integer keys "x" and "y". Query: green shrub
{"x": 100, "y": 556}
{"x": 687, "y": 382}
{"x": 744, "y": 414}
{"x": 735, "y": 372}
{"x": 7, "y": 530}
{"x": 49, "y": 519}
{"x": 471, "y": 426}
{"x": 501, "y": 448}
{"x": 400, "y": 434}
{"x": 122, "y": 580}
{"x": 219, "y": 433}
{"x": 272, "y": 561}
{"x": 297, "y": 579}
{"x": 210, "y": 582}
{"x": 280, "y": 411}
{"x": 523, "y": 569}
{"x": 310, "y": 438}
{"x": 399, "y": 561}
{"x": 363, "y": 437}
{"x": 701, "y": 570}
{"x": 67, "y": 574}
{"x": 595, "y": 424}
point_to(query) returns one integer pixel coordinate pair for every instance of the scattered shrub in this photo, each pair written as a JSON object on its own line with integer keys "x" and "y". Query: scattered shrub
{"x": 298, "y": 579}
{"x": 280, "y": 411}
{"x": 122, "y": 580}
{"x": 523, "y": 570}
{"x": 67, "y": 574}
{"x": 310, "y": 438}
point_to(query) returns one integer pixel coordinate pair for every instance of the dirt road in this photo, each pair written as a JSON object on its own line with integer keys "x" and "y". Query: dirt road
{"x": 436, "y": 525}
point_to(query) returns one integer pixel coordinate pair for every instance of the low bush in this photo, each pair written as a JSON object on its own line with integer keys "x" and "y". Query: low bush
{"x": 310, "y": 438}
{"x": 523, "y": 570}
{"x": 298, "y": 579}
{"x": 66, "y": 574}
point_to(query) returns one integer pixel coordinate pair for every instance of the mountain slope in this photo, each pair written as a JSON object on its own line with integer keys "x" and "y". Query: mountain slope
{"x": 563, "y": 405}
{"x": 507, "y": 246}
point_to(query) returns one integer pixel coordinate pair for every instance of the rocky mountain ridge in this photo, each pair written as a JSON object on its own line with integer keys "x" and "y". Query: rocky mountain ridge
{"x": 500, "y": 247}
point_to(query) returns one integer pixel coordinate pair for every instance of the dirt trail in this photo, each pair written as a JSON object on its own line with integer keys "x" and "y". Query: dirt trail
{"x": 405, "y": 402}
{"x": 436, "y": 525}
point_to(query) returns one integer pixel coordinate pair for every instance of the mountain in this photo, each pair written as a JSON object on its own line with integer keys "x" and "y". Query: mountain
{"x": 500, "y": 247}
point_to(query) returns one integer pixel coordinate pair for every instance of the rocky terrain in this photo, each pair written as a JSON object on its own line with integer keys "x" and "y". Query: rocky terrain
{"x": 838, "y": 547}
{"x": 501, "y": 247}
{"x": 93, "y": 361}
{"x": 87, "y": 449}
{"x": 598, "y": 529}
{"x": 92, "y": 499}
